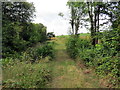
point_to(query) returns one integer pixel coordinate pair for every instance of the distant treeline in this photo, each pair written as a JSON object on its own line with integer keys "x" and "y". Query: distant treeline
{"x": 18, "y": 32}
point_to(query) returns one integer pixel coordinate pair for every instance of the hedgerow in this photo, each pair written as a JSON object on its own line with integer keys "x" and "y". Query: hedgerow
{"x": 104, "y": 57}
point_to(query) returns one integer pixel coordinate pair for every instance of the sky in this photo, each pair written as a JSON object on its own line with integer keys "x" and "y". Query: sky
{"x": 47, "y": 13}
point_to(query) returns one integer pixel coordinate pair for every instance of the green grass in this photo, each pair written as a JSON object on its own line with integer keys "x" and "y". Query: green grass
{"x": 26, "y": 75}
{"x": 84, "y": 34}
{"x": 62, "y": 72}
{"x": 81, "y": 34}
{"x": 67, "y": 74}
{"x": 62, "y": 36}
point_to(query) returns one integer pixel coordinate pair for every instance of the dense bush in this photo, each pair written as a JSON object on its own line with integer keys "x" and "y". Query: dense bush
{"x": 18, "y": 33}
{"x": 38, "y": 52}
{"x": 30, "y": 70}
{"x": 34, "y": 33}
{"x": 46, "y": 50}
{"x": 71, "y": 47}
{"x": 104, "y": 57}
{"x": 75, "y": 44}
{"x": 16, "y": 39}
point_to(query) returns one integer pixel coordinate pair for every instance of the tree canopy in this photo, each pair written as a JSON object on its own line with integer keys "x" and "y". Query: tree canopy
{"x": 18, "y": 30}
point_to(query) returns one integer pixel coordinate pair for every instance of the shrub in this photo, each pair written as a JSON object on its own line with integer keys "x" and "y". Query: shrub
{"x": 17, "y": 37}
{"x": 72, "y": 48}
{"x": 83, "y": 44}
{"x": 24, "y": 75}
{"x": 109, "y": 66}
{"x": 45, "y": 50}
{"x": 87, "y": 55}
{"x": 76, "y": 45}
{"x": 104, "y": 57}
{"x": 38, "y": 52}
{"x": 12, "y": 41}
{"x": 6, "y": 61}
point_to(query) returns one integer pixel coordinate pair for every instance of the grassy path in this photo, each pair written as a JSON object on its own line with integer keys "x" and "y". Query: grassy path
{"x": 67, "y": 74}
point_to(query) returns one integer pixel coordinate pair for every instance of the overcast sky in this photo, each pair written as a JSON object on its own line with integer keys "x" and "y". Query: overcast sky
{"x": 47, "y": 13}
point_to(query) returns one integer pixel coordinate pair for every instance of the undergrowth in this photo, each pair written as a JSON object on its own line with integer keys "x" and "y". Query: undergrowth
{"x": 103, "y": 58}
{"x": 30, "y": 70}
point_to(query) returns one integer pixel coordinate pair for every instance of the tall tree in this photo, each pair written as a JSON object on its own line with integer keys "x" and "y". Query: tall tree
{"x": 72, "y": 11}
{"x": 15, "y": 16}
{"x": 91, "y": 16}
{"x": 97, "y": 12}
{"x": 77, "y": 10}
{"x": 17, "y": 11}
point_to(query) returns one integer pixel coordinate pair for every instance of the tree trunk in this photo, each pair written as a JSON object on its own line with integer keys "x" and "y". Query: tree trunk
{"x": 72, "y": 19}
{"x": 77, "y": 26}
{"x": 92, "y": 24}
{"x": 97, "y": 28}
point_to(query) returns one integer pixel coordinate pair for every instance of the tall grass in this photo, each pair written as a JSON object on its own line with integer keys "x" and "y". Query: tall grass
{"x": 22, "y": 75}
{"x": 30, "y": 70}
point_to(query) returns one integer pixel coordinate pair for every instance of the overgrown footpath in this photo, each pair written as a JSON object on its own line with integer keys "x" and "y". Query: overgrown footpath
{"x": 67, "y": 73}
{"x": 58, "y": 65}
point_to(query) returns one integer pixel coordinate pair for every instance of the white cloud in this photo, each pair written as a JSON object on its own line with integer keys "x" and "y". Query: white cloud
{"x": 47, "y": 13}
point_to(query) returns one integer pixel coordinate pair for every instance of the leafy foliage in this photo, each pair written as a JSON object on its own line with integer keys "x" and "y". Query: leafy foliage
{"x": 71, "y": 47}
{"x": 18, "y": 31}
{"x": 74, "y": 44}
{"x": 26, "y": 75}
{"x": 46, "y": 50}
{"x": 29, "y": 70}
{"x": 38, "y": 52}
{"x": 104, "y": 57}
{"x": 17, "y": 12}
{"x": 12, "y": 42}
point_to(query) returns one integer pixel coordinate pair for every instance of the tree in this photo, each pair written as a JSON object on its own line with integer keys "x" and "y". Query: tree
{"x": 11, "y": 40}
{"x": 15, "y": 17}
{"x": 17, "y": 11}
{"x": 78, "y": 11}
{"x": 113, "y": 35}
{"x": 94, "y": 15}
